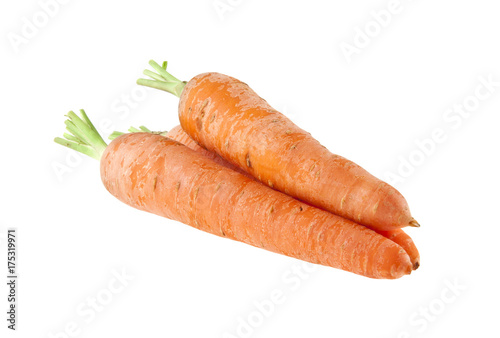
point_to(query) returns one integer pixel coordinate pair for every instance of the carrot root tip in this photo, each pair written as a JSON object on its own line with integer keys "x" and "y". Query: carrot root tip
{"x": 414, "y": 223}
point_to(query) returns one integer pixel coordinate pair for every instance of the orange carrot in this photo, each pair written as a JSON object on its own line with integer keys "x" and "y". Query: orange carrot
{"x": 401, "y": 238}
{"x": 178, "y": 134}
{"x": 398, "y": 236}
{"x": 225, "y": 116}
{"x": 158, "y": 175}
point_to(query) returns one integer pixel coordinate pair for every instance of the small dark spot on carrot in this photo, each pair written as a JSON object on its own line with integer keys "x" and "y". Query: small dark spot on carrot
{"x": 226, "y": 144}
{"x": 312, "y": 167}
{"x": 274, "y": 121}
{"x": 177, "y": 186}
{"x": 271, "y": 210}
{"x": 293, "y": 146}
{"x": 218, "y": 187}
{"x": 199, "y": 123}
{"x": 247, "y": 158}
{"x": 222, "y": 232}
{"x": 300, "y": 208}
{"x": 190, "y": 110}
{"x": 269, "y": 183}
{"x": 212, "y": 118}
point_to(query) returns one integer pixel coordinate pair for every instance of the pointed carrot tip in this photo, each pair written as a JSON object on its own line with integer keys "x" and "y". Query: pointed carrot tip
{"x": 414, "y": 223}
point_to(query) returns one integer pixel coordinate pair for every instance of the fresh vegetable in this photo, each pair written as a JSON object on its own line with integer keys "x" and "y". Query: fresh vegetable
{"x": 401, "y": 238}
{"x": 398, "y": 236}
{"x": 225, "y": 116}
{"x": 178, "y": 134}
{"x": 153, "y": 173}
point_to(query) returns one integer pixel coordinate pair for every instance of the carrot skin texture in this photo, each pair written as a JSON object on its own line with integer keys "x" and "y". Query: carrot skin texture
{"x": 158, "y": 175}
{"x": 398, "y": 236}
{"x": 179, "y": 135}
{"x": 227, "y": 117}
{"x": 404, "y": 240}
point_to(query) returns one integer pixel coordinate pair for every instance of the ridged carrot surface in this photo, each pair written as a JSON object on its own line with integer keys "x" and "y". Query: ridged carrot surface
{"x": 398, "y": 236}
{"x": 158, "y": 175}
{"x": 225, "y": 116}
{"x": 179, "y": 135}
{"x": 401, "y": 238}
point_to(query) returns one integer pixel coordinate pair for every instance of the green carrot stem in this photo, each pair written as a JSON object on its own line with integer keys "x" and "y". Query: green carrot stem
{"x": 115, "y": 134}
{"x": 141, "y": 129}
{"x": 82, "y": 148}
{"x": 153, "y": 75}
{"x": 162, "y": 79}
{"x": 134, "y": 130}
{"x": 84, "y": 136}
{"x": 144, "y": 129}
{"x": 71, "y": 137}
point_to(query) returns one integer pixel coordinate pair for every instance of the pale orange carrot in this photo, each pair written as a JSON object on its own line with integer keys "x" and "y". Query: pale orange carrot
{"x": 398, "y": 236}
{"x": 178, "y": 134}
{"x": 161, "y": 176}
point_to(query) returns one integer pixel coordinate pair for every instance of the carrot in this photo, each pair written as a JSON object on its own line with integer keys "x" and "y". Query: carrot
{"x": 401, "y": 238}
{"x": 225, "y": 116}
{"x": 155, "y": 174}
{"x": 398, "y": 236}
{"x": 179, "y": 135}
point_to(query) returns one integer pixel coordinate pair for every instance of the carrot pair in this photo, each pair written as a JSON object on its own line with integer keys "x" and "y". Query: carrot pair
{"x": 153, "y": 173}
{"x": 398, "y": 236}
{"x": 205, "y": 174}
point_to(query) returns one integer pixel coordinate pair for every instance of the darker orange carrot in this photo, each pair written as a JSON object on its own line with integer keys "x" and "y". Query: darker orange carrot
{"x": 227, "y": 117}
{"x": 179, "y": 135}
{"x": 161, "y": 176}
{"x": 400, "y": 237}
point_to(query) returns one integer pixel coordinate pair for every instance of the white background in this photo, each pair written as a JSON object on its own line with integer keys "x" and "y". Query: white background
{"x": 371, "y": 107}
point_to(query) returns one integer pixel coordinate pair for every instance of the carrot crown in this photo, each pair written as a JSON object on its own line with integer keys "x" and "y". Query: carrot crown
{"x": 83, "y": 136}
{"x": 162, "y": 79}
{"x": 141, "y": 129}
